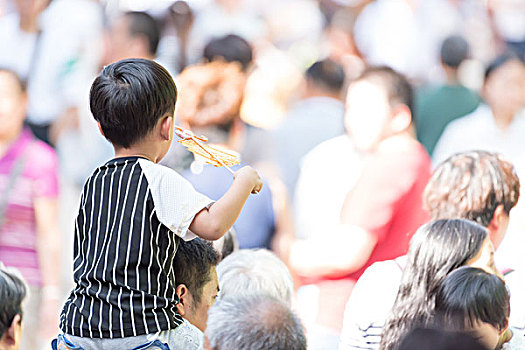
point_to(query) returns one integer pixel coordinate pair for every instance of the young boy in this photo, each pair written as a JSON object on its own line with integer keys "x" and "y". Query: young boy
{"x": 133, "y": 212}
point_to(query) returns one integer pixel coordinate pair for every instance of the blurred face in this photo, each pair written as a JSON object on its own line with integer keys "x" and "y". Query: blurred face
{"x": 198, "y": 314}
{"x": 485, "y": 258}
{"x": 120, "y": 40}
{"x": 504, "y": 90}
{"x": 368, "y": 114}
{"x": 12, "y": 105}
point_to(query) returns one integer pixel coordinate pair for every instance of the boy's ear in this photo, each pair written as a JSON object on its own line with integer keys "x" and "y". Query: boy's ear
{"x": 10, "y": 336}
{"x": 183, "y": 294}
{"x": 166, "y": 128}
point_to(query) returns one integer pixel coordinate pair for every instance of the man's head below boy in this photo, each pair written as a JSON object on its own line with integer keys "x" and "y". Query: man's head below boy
{"x": 378, "y": 106}
{"x": 133, "y": 100}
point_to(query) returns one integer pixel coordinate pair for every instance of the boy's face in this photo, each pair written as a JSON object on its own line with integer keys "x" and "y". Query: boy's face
{"x": 12, "y": 105}
{"x": 367, "y": 115}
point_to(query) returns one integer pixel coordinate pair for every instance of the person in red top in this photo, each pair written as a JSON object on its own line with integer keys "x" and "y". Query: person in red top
{"x": 384, "y": 208}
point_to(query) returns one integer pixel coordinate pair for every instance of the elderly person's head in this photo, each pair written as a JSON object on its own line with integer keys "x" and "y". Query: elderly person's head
{"x": 253, "y": 322}
{"x": 13, "y": 291}
{"x": 196, "y": 278}
{"x": 476, "y": 185}
{"x": 255, "y": 271}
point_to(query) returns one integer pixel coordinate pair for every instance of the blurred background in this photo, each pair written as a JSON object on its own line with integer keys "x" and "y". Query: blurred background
{"x": 284, "y": 95}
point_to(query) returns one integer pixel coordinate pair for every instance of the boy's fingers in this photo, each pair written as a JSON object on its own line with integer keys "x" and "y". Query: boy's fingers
{"x": 257, "y": 188}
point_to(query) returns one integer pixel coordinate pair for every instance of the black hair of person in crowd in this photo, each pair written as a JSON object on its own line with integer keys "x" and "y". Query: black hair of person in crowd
{"x": 436, "y": 339}
{"x": 143, "y": 24}
{"x": 327, "y": 74}
{"x": 230, "y": 48}
{"x": 471, "y": 300}
{"x": 436, "y": 249}
{"x": 13, "y": 291}
{"x": 196, "y": 279}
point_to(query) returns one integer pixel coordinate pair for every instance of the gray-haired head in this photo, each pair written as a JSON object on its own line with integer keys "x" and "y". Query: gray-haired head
{"x": 13, "y": 290}
{"x": 253, "y": 272}
{"x": 254, "y": 322}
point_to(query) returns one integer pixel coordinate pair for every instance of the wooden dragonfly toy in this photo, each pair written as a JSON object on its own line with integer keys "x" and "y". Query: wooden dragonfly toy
{"x": 211, "y": 155}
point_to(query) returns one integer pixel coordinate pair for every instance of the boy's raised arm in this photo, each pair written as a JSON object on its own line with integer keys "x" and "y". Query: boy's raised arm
{"x": 213, "y": 222}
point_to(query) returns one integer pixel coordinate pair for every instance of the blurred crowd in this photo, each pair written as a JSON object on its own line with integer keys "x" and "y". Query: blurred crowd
{"x": 390, "y": 136}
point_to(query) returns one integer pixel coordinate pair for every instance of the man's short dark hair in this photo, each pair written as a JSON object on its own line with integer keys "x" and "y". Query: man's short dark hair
{"x": 193, "y": 262}
{"x": 327, "y": 74}
{"x": 141, "y": 23}
{"x": 231, "y": 48}
{"x": 471, "y": 186}
{"x": 396, "y": 85}
{"x": 13, "y": 291}
{"x": 129, "y": 97}
{"x": 454, "y": 50}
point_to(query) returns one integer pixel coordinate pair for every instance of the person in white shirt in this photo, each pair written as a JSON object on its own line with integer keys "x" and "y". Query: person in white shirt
{"x": 498, "y": 125}
{"x": 56, "y": 57}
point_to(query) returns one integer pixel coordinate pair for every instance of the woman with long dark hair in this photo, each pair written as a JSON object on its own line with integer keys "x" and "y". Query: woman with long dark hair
{"x": 436, "y": 249}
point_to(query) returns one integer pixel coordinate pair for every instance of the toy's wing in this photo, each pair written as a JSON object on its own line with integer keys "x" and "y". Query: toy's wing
{"x": 210, "y": 154}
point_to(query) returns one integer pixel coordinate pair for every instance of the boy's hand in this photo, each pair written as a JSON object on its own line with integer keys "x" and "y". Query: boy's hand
{"x": 251, "y": 177}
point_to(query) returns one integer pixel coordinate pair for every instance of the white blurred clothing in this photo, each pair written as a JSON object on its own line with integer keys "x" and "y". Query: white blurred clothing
{"x": 405, "y": 36}
{"x": 509, "y": 19}
{"x": 515, "y": 281}
{"x": 16, "y": 46}
{"x": 67, "y": 55}
{"x": 213, "y": 21}
{"x": 328, "y": 173}
{"x": 478, "y": 131}
{"x": 370, "y": 304}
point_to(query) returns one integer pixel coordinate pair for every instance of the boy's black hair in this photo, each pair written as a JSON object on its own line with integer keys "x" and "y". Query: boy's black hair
{"x": 328, "y": 74}
{"x": 192, "y": 264}
{"x": 470, "y": 295}
{"x": 141, "y": 23}
{"x": 129, "y": 97}
{"x": 396, "y": 85}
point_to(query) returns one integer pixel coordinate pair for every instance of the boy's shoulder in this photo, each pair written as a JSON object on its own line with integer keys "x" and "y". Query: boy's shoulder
{"x": 158, "y": 174}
